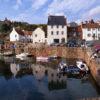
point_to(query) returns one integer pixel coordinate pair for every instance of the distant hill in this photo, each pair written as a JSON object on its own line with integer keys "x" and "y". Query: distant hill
{"x": 7, "y": 25}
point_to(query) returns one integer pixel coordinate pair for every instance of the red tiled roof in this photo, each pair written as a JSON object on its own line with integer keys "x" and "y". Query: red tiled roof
{"x": 23, "y": 32}
{"x": 19, "y": 31}
{"x": 27, "y": 32}
{"x": 90, "y": 25}
{"x": 79, "y": 28}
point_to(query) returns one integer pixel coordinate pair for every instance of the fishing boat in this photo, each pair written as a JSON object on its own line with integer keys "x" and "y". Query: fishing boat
{"x": 22, "y": 56}
{"x": 8, "y": 53}
{"x": 42, "y": 59}
{"x": 82, "y": 66}
{"x": 71, "y": 69}
{"x": 62, "y": 66}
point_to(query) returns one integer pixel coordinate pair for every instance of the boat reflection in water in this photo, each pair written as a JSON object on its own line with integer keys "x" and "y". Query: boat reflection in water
{"x": 27, "y": 80}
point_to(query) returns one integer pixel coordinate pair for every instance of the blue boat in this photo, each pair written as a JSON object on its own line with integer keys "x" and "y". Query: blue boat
{"x": 71, "y": 69}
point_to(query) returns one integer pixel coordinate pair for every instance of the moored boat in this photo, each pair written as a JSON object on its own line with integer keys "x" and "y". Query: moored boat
{"x": 22, "y": 56}
{"x": 41, "y": 58}
{"x": 82, "y": 66}
{"x": 9, "y": 53}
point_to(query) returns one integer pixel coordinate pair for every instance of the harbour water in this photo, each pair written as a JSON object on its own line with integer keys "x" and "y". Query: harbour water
{"x": 31, "y": 80}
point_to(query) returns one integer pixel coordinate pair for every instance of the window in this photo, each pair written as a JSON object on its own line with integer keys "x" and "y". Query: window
{"x": 89, "y": 29}
{"x": 62, "y": 26}
{"x": 93, "y": 28}
{"x": 63, "y": 40}
{"x": 15, "y": 35}
{"x": 56, "y": 40}
{"x": 35, "y": 35}
{"x": 51, "y": 32}
{"x": 99, "y": 35}
{"x": 94, "y": 36}
{"x": 98, "y": 29}
{"x": 57, "y": 32}
{"x": 89, "y": 35}
{"x": 62, "y": 32}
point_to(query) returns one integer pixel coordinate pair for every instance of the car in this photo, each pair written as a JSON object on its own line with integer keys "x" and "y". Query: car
{"x": 55, "y": 44}
{"x": 62, "y": 44}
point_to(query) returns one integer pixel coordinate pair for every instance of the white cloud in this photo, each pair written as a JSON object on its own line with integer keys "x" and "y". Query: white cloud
{"x": 69, "y": 5}
{"x": 92, "y": 13}
{"x": 18, "y": 4}
{"x": 38, "y": 4}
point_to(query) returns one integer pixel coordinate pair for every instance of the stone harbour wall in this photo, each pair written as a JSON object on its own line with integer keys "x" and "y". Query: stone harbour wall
{"x": 71, "y": 53}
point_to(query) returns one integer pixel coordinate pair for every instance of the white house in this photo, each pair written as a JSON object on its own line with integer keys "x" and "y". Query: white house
{"x": 38, "y": 36}
{"x": 17, "y": 35}
{"x": 56, "y": 29}
{"x": 14, "y": 68}
{"x": 90, "y": 31}
{"x": 20, "y": 35}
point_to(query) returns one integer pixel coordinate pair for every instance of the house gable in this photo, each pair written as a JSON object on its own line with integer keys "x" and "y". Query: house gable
{"x": 38, "y": 35}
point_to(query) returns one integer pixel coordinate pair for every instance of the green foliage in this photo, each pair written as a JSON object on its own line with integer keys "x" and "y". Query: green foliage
{"x": 6, "y": 26}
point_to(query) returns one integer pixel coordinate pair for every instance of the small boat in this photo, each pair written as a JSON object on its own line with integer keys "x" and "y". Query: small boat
{"x": 71, "y": 69}
{"x": 54, "y": 57}
{"x": 41, "y": 58}
{"x": 22, "y": 56}
{"x": 82, "y": 66}
{"x": 62, "y": 66}
{"x": 9, "y": 53}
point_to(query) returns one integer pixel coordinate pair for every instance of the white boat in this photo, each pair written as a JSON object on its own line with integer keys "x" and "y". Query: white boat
{"x": 41, "y": 58}
{"x": 62, "y": 65}
{"x": 82, "y": 66}
{"x": 53, "y": 57}
{"x": 22, "y": 56}
{"x": 9, "y": 53}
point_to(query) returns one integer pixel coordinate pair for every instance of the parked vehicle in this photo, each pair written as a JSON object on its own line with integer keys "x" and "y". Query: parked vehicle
{"x": 55, "y": 44}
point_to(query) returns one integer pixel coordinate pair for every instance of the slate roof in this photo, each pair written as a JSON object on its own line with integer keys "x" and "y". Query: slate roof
{"x": 57, "y": 20}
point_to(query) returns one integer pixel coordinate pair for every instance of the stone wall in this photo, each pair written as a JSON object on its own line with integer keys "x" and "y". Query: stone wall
{"x": 71, "y": 53}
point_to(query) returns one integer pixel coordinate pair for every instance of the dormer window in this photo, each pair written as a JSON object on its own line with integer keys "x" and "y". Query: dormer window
{"x": 57, "y": 26}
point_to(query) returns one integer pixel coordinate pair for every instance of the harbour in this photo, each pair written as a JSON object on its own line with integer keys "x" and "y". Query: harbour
{"x": 40, "y": 81}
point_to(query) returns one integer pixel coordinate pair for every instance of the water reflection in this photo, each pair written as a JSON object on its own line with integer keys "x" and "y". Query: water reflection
{"x": 41, "y": 81}
{"x": 38, "y": 71}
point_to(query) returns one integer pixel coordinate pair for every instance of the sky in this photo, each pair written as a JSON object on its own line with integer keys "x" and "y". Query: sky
{"x": 37, "y": 11}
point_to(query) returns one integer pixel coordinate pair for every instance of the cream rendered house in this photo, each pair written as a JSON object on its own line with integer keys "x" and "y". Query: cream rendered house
{"x": 38, "y": 36}
{"x": 90, "y": 31}
{"x": 56, "y": 29}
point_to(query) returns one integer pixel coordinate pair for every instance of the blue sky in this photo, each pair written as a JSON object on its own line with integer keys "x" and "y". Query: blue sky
{"x": 37, "y": 11}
